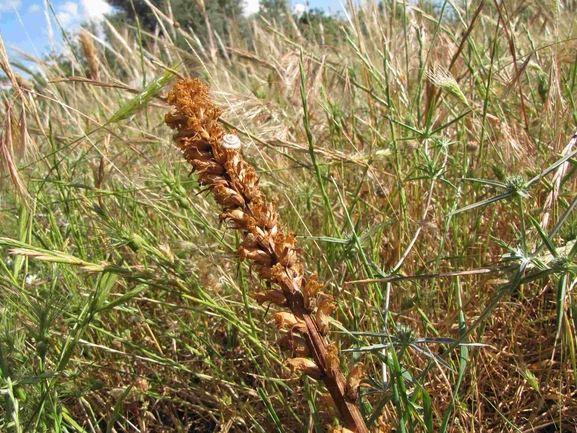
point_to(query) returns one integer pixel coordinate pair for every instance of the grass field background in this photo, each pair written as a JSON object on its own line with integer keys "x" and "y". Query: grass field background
{"x": 431, "y": 182}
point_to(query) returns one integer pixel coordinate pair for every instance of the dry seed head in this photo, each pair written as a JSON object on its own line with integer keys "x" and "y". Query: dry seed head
{"x": 201, "y": 5}
{"x": 8, "y": 158}
{"x": 440, "y": 77}
{"x": 23, "y": 82}
{"x": 91, "y": 54}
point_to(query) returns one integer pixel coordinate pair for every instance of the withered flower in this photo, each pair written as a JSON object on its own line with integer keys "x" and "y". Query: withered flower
{"x": 276, "y": 297}
{"x": 310, "y": 290}
{"x": 295, "y": 344}
{"x": 326, "y": 307}
{"x": 354, "y": 381}
{"x": 236, "y": 216}
{"x": 284, "y": 249}
{"x": 326, "y": 401}
{"x": 255, "y": 254}
{"x": 305, "y": 365}
{"x": 289, "y": 322}
{"x": 332, "y": 357}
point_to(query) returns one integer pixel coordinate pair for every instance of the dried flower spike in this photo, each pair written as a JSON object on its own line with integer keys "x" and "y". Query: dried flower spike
{"x": 215, "y": 157}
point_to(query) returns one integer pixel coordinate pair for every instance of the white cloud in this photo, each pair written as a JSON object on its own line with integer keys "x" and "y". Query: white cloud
{"x": 33, "y": 8}
{"x": 72, "y": 13}
{"x": 67, "y": 13}
{"x": 94, "y": 10}
{"x": 299, "y": 9}
{"x": 250, "y": 7}
{"x": 8, "y": 5}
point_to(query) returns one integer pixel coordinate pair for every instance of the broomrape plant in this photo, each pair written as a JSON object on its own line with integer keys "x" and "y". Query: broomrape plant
{"x": 424, "y": 153}
{"x": 220, "y": 167}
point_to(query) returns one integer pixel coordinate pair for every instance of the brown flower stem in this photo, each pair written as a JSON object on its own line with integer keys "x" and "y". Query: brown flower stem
{"x": 216, "y": 158}
{"x": 334, "y": 380}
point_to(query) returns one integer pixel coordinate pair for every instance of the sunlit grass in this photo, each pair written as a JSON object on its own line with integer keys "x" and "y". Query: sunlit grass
{"x": 426, "y": 163}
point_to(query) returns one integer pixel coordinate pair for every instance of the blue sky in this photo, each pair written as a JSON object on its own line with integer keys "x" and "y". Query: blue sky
{"x": 23, "y": 23}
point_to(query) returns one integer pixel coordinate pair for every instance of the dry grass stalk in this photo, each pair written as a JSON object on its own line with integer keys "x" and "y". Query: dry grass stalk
{"x": 216, "y": 158}
{"x": 91, "y": 55}
{"x": 7, "y": 155}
